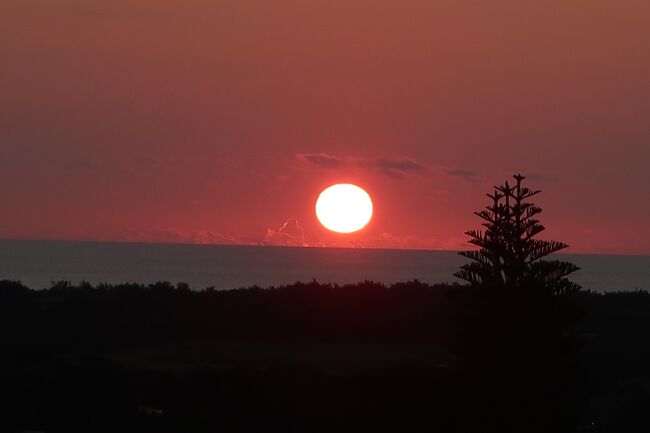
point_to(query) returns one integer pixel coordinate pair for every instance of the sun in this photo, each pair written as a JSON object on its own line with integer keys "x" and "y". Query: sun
{"x": 344, "y": 208}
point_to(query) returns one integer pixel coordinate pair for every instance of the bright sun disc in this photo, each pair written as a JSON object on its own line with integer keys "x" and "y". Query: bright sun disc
{"x": 344, "y": 208}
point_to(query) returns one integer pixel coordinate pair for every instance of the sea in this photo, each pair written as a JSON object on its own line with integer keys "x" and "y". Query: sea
{"x": 39, "y": 263}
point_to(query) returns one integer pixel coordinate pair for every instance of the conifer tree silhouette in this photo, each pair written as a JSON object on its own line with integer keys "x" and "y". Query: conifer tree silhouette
{"x": 508, "y": 256}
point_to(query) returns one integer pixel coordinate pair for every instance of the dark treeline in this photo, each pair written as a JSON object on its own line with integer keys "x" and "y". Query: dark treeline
{"x": 320, "y": 357}
{"x": 127, "y": 314}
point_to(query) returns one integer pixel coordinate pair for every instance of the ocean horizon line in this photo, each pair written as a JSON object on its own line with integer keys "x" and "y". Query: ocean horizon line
{"x": 315, "y": 247}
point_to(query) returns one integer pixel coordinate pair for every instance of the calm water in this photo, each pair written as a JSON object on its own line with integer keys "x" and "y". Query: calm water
{"x": 37, "y": 263}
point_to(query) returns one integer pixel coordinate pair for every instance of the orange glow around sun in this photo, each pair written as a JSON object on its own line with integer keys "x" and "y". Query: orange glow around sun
{"x": 344, "y": 208}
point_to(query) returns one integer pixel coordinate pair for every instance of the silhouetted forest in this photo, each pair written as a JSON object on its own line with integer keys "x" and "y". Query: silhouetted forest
{"x": 321, "y": 357}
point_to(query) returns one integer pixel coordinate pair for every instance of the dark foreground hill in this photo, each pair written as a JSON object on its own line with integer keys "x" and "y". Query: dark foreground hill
{"x": 315, "y": 357}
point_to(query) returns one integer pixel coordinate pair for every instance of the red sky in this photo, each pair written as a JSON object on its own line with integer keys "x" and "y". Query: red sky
{"x": 217, "y": 121}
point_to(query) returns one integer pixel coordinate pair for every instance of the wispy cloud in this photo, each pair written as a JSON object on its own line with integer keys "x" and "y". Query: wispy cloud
{"x": 322, "y": 159}
{"x": 468, "y": 175}
{"x": 396, "y": 168}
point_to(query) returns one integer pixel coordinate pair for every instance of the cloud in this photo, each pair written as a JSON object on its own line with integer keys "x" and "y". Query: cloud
{"x": 403, "y": 164}
{"x": 289, "y": 234}
{"x": 395, "y": 168}
{"x": 292, "y": 228}
{"x": 179, "y": 236}
{"x": 469, "y": 175}
{"x": 321, "y": 159}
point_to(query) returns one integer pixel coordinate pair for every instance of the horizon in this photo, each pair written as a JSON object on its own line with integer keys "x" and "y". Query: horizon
{"x": 569, "y": 251}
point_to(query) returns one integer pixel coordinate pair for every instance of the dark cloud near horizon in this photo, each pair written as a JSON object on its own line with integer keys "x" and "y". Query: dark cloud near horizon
{"x": 396, "y": 168}
{"x": 322, "y": 159}
{"x": 469, "y": 175}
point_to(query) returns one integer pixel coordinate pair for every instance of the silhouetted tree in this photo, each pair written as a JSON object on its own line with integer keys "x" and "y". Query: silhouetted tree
{"x": 509, "y": 257}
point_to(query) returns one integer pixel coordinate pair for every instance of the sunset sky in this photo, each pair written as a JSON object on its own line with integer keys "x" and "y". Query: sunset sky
{"x": 220, "y": 121}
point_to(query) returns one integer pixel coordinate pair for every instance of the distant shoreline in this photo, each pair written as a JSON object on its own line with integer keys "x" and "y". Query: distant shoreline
{"x": 38, "y": 263}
